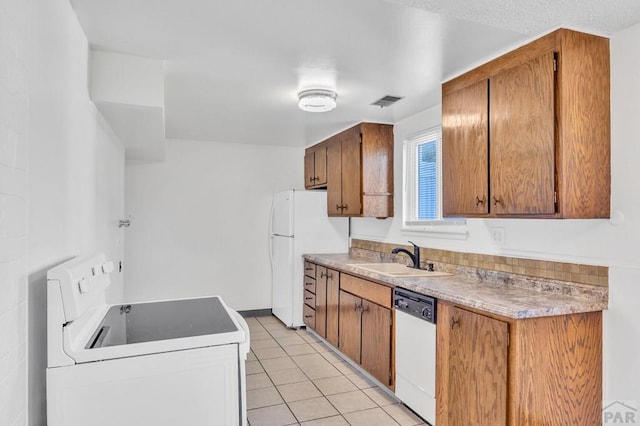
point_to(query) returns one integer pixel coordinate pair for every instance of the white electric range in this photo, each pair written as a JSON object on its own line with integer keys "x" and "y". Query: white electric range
{"x": 167, "y": 362}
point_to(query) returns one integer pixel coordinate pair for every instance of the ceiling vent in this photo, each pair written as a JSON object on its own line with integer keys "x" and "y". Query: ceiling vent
{"x": 386, "y": 101}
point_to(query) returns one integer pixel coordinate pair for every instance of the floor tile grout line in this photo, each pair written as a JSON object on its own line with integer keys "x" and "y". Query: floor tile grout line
{"x": 310, "y": 380}
{"x": 313, "y": 381}
{"x": 319, "y": 390}
{"x": 276, "y": 386}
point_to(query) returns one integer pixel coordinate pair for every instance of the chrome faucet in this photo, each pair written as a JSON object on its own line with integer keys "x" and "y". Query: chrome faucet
{"x": 415, "y": 257}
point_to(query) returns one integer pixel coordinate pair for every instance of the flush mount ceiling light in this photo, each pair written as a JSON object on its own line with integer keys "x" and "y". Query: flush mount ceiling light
{"x": 317, "y": 100}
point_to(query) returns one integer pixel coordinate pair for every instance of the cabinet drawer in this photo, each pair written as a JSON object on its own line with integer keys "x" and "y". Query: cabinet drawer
{"x": 309, "y": 269}
{"x": 376, "y": 293}
{"x": 309, "y": 316}
{"x": 309, "y": 299}
{"x": 310, "y": 284}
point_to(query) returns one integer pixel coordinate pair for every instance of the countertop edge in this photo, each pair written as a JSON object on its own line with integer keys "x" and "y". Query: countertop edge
{"x": 490, "y": 297}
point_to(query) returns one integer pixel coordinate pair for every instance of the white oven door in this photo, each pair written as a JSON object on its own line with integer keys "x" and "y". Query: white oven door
{"x": 191, "y": 387}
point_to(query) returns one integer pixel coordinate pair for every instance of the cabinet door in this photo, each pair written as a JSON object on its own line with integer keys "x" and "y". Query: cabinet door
{"x": 309, "y": 168}
{"x": 523, "y": 138}
{"x": 333, "y": 297}
{"x": 351, "y": 175}
{"x": 465, "y": 151}
{"x": 320, "y": 165}
{"x": 376, "y": 341}
{"x": 334, "y": 177}
{"x": 350, "y": 325}
{"x": 321, "y": 301}
{"x": 472, "y": 368}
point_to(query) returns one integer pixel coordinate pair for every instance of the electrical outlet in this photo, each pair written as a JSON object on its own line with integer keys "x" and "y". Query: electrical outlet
{"x": 498, "y": 234}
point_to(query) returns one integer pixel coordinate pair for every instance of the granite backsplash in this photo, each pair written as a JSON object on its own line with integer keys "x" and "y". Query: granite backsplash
{"x": 557, "y": 277}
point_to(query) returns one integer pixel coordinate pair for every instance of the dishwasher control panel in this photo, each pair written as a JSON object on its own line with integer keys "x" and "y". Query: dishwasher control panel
{"x": 416, "y": 304}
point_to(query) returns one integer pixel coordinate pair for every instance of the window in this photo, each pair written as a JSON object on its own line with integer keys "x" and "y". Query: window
{"x": 428, "y": 179}
{"x": 423, "y": 181}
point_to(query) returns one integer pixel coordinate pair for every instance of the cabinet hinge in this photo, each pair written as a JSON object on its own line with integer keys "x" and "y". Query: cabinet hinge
{"x": 508, "y": 340}
{"x": 555, "y": 62}
{"x": 555, "y": 197}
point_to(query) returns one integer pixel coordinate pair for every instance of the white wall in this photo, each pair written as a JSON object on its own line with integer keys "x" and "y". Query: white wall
{"x": 200, "y": 221}
{"x": 622, "y": 330}
{"x": 76, "y": 172}
{"x": 14, "y": 142}
{"x": 590, "y": 241}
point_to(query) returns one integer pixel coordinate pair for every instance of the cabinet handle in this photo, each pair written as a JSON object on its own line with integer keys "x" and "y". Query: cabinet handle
{"x": 308, "y": 298}
{"x": 344, "y": 206}
{"x": 365, "y": 308}
{"x": 316, "y": 178}
{"x": 330, "y": 276}
{"x": 497, "y": 201}
{"x": 322, "y": 275}
{"x": 355, "y": 306}
{"x": 338, "y": 207}
{"x": 480, "y": 201}
{"x": 308, "y": 316}
{"x": 454, "y": 322}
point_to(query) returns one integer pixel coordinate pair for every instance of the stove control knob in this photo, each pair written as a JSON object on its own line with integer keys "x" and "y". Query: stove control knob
{"x": 426, "y": 312}
{"x": 84, "y": 285}
{"x": 108, "y": 267}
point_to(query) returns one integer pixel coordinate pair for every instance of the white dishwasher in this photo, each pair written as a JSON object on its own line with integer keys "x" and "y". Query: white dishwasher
{"x": 416, "y": 352}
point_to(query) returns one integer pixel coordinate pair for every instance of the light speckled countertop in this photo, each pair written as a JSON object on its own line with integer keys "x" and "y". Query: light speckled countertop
{"x": 512, "y": 301}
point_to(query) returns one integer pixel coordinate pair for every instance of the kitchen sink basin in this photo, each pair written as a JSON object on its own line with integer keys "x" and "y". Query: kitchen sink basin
{"x": 398, "y": 270}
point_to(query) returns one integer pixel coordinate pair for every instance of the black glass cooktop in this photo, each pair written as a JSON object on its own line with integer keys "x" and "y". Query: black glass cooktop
{"x": 152, "y": 321}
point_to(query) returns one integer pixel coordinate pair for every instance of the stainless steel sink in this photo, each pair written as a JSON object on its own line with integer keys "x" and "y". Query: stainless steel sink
{"x": 397, "y": 270}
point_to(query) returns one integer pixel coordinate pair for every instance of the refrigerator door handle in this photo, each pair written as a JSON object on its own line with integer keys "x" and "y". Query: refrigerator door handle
{"x": 271, "y": 251}
{"x": 273, "y": 206}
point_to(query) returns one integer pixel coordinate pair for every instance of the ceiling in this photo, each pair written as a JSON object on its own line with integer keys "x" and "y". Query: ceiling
{"x": 233, "y": 68}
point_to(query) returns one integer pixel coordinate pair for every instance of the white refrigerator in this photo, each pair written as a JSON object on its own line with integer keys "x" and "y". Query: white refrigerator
{"x": 299, "y": 225}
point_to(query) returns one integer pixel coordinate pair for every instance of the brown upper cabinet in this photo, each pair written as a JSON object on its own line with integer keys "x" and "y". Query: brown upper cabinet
{"x": 360, "y": 171}
{"x": 528, "y": 134}
{"x": 315, "y": 166}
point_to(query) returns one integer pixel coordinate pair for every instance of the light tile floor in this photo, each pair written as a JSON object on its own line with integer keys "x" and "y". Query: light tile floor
{"x": 294, "y": 379}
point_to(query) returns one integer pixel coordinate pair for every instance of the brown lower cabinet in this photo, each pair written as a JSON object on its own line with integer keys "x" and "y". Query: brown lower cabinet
{"x": 333, "y": 296}
{"x": 354, "y": 315}
{"x": 532, "y": 371}
{"x": 309, "y": 295}
{"x": 326, "y": 285}
{"x": 365, "y": 326}
{"x": 321, "y": 301}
